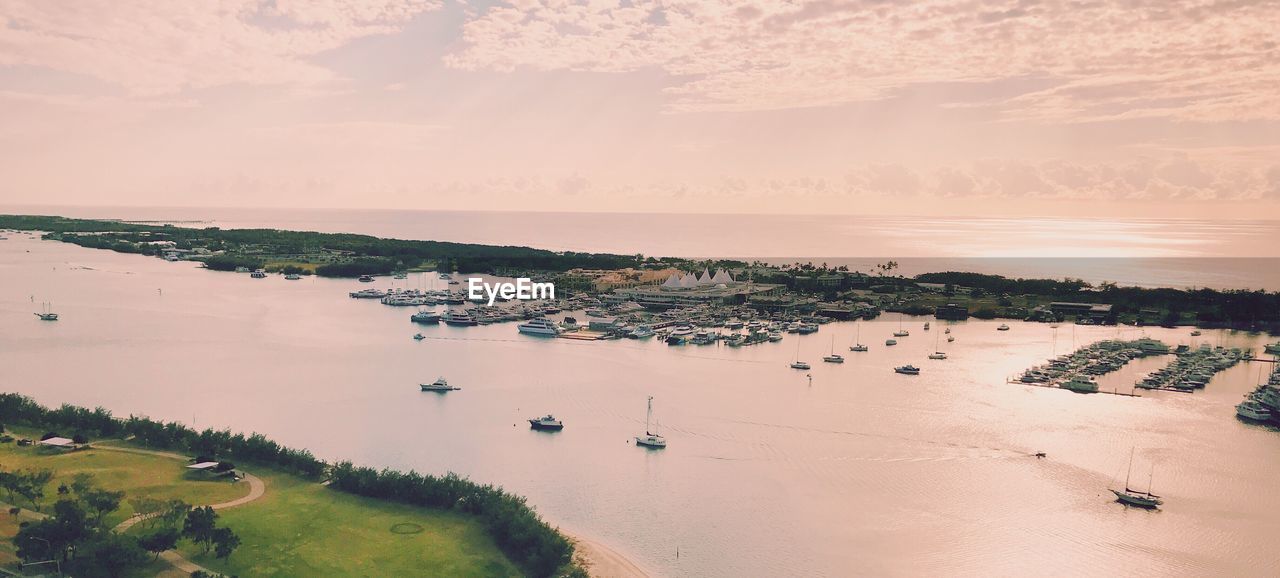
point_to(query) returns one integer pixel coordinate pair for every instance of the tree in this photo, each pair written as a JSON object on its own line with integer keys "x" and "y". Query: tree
{"x": 199, "y": 526}
{"x": 101, "y": 502}
{"x": 225, "y": 542}
{"x": 108, "y": 555}
{"x": 159, "y": 541}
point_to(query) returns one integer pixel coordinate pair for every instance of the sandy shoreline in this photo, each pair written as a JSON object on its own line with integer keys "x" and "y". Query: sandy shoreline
{"x": 602, "y": 561}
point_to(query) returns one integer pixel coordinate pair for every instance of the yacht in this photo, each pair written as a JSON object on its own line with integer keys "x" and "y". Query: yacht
{"x": 947, "y": 331}
{"x": 642, "y": 332}
{"x": 446, "y": 276}
{"x": 1081, "y": 384}
{"x": 799, "y": 365}
{"x": 649, "y": 439}
{"x": 460, "y": 318}
{"x": 419, "y": 337}
{"x": 1002, "y": 327}
{"x": 891, "y": 342}
{"x": 775, "y": 336}
{"x": 438, "y": 385}
{"x": 539, "y": 326}
{"x": 937, "y": 355}
{"x": 1272, "y": 348}
{"x": 1196, "y": 333}
{"x": 901, "y": 333}
{"x": 857, "y": 345}
{"x": 367, "y": 294}
{"x": 425, "y": 317}
{"x": 46, "y": 313}
{"x": 400, "y": 275}
{"x": 834, "y": 357}
{"x": 680, "y": 335}
{"x": 860, "y": 347}
{"x": 1252, "y": 410}
{"x": 926, "y": 325}
{"x": 908, "y": 370}
{"x": 546, "y": 423}
{"x": 365, "y": 279}
{"x": 258, "y": 274}
{"x": 1131, "y": 497}
{"x": 951, "y": 338}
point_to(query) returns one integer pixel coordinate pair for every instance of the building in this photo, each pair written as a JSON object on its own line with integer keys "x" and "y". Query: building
{"x": 951, "y": 311}
{"x": 1090, "y": 311}
{"x": 689, "y": 290}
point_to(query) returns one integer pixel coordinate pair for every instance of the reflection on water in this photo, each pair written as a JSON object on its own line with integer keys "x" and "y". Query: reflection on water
{"x": 864, "y": 472}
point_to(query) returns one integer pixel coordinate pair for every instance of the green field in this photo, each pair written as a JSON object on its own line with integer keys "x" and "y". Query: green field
{"x": 304, "y": 529}
{"x": 298, "y": 528}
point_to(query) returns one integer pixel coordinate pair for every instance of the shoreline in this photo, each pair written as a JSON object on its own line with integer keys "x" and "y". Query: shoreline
{"x": 601, "y": 561}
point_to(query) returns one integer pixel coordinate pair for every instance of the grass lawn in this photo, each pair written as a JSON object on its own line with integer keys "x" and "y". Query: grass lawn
{"x": 137, "y": 475}
{"x": 301, "y": 528}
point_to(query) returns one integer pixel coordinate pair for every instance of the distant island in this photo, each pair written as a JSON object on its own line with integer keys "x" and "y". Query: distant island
{"x": 804, "y": 286}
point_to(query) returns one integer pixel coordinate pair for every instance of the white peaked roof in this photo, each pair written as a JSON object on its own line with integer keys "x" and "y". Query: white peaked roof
{"x": 722, "y": 276}
{"x": 704, "y": 278}
{"x": 672, "y": 282}
{"x": 689, "y": 281}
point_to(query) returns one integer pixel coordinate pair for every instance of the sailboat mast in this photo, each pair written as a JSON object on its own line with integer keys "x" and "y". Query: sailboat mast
{"x": 1130, "y": 471}
{"x": 648, "y": 415}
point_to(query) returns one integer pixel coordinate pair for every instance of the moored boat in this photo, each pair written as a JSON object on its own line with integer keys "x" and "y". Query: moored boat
{"x": 439, "y": 385}
{"x": 546, "y": 423}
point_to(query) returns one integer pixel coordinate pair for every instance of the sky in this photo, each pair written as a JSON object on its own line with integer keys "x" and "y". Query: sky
{"x": 1073, "y": 108}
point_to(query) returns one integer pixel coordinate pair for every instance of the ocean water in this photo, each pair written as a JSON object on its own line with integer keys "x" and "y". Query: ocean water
{"x": 859, "y": 472}
{"x": 1140, "y": 252}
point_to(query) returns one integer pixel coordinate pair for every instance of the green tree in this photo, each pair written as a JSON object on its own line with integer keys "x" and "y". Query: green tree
{"x": 224, "y": 542}
{"x": 200, "y": 525}
{"x": 159, "y": 541}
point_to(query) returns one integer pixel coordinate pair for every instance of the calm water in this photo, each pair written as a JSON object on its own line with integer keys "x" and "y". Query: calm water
{"x": 1142, "y": 252}
{"x": 864, "y": 472}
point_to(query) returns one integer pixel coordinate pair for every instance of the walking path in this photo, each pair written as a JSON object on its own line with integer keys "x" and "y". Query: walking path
{"x": 256, "y": 490}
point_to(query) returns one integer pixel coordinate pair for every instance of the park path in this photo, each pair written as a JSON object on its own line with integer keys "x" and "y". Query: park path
{"x": 257, "y": 488}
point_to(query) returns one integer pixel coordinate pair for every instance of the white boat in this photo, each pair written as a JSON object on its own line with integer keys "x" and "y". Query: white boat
{"x": 926, "y": 325}
{"x": 460, "y": 318}
{"x": 907, "y": 370}
{"x": 1081, "y": 384}
{"x": 258, "y": 274}
{"x": 547, "y": 422}
{"x": 901, "y": 333}
{"x": 1252, "y": 410}
{"x": 425, "y": 317}
{"x": 947, "y": 331}
{"x": 1272, "y": 348}
{"x": 1002, "y": 327}
{"x": 857, "y": 345}
{"x": 367, "y": 294}
{"x": 642, "y": 332}
{"x": 833, "y": 358}
{"x": 539, "y": 326}
{"x": 440, "y": 384}
{"x": 891, "y": 342}
{"x": 650, "y": 439}
{"x": 400, "y": 275}
{"x": 1138, "y": 498}
{"x": 365, "y": 279}
{"x": 292, "y": 277}
{"x": 937, "y": 355}
{"x": 419, "y": 337}
{"x": 1196, "y": 333}
{"x": 797, "y": 364}
{"x": 775, "y": 336}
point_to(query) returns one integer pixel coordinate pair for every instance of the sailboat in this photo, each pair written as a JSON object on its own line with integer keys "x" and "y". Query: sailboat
{"x": 797, "y": 364}
{"x": 834, "y": 357}
{"x": 1137, "y": 498}
{"x": 901, "y": 332}
{"x": 650, "y": 440}
{"x": 858, "y": 346}
{"x": 937, "y": 354}
{"x": 46, "y": 313}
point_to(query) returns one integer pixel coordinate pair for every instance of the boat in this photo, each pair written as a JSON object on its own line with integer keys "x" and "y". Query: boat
{"x": 419, "y": 337}
{"x": 400, "y": 275}
{"x": 642, "y": 332}
{"x": 947, "y": 331}
{"x": 1081, "y": 384}
{"x": 1131, "y": 497}
{"x": 1272, "y": 348}
{"x": 891, "y": 342}
{"x": 460, "y": 318}
{"x": 857, "y": 345}
{"x": 46, "y": 313}
{"x": 425, "y": 317}
{"x": 1196, "y": 333}
{"x": 1253, "y": 410}
{"x": 951, "y": 338}
{"x": 775, "y": 336}
{"x": 367, "y": 294}
{"x": 539, "y": 326}
{"x": 440, "y": 384}
{"x": 907, "y": 370}
{"x": 365, "y": 279}
{"x": 446, "y": 276}
{"x": 797, "y": 364}
{"x": 258, "y": 274}
{"x": 901, "y": 333}
{"x": 680, "y": 335}
{"x": 546, "y": 423}
{"x": 926, "y": 325}
{"x": 1002, "y": 327}
{"x": 937, "y": 355}
{"x": 650, "y": 439}
{"x": 833, "y": 358}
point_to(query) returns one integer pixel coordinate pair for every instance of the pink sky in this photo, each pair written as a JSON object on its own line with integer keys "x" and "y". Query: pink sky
{"x": 1064, "y": 108}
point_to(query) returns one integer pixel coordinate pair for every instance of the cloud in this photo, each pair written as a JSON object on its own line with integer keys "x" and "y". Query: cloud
{"x": 1186, "y": 59}
{"x": 152, "y": 48}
